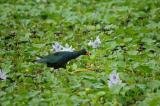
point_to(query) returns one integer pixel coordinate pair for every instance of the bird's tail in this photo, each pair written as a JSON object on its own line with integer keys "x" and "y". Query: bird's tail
{"x": 39, "y": 59}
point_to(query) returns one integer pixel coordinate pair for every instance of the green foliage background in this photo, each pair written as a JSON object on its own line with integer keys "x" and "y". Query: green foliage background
{"x": 130, "y": 35}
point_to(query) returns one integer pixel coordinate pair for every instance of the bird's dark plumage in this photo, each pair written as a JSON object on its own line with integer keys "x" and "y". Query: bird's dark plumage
{"x": 60, "y": 59}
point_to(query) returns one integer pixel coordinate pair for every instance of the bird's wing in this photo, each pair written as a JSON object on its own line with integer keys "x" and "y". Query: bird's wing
{"x": 53, "y": 58}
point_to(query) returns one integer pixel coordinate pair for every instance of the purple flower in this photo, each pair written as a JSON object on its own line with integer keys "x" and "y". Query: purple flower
{"x": 95, "y": 43}
{"x": 3, "y": 76}
{"x": 57, "y": 47}
{"x": 114, "y": 79}
{"x": 67, "y": 48}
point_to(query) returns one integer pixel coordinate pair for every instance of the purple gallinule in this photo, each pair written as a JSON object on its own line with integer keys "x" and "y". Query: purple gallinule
{"x": 59, "y": 59}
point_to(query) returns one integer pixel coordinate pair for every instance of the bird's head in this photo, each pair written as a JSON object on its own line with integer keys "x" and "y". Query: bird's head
{"x": 85, "y": 52}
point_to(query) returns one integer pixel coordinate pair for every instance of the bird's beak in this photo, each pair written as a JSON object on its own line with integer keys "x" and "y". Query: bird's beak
{"x": 88, "y": 53}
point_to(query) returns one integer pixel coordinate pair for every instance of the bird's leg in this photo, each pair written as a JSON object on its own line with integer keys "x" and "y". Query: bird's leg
{"x": 64, "y": 66}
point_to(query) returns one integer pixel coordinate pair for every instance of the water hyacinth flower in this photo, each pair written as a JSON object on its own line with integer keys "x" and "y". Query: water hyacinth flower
{"x": 95, "y": 43}
{"x": 57, "y": 47}
{"x": 2, "y": 75}
{"x": 114, "y": 79}
{"x": 67, "y": 48}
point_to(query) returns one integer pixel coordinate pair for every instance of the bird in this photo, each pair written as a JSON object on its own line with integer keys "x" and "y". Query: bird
{"x": 59, "y": 59}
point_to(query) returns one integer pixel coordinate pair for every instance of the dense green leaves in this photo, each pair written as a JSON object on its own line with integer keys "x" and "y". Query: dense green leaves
{"x": 130, "y": 44}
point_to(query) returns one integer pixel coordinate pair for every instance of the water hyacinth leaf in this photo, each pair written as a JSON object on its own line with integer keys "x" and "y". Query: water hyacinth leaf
{"x": 38, "y": 45}
{"x": 25, "y": 38}
{"x": 32, "y": 94}
{"x": 116, "y": 89}
{"x": 155, "y": 84}
{"x": 128, "y": 40}
{"x": 74, "y": 66}
{"x": 98, "y": 86}
{"x": 76, "y": 86}
{"x": 101, "y": 93}
{"x": 148, "y": 41}
{"x": 133, "y": 53}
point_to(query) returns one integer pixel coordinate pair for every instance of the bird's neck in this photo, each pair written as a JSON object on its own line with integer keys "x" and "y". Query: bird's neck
{"x": 76, "y": 54}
